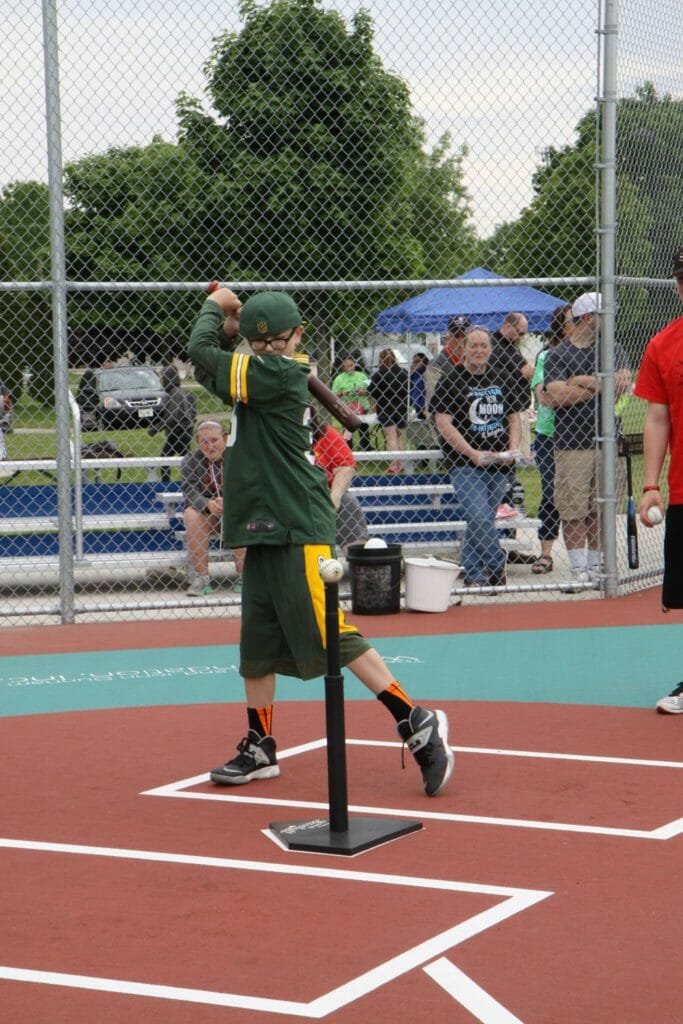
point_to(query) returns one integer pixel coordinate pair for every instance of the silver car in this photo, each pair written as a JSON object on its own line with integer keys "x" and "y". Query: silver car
{"x": 120, "y": 397}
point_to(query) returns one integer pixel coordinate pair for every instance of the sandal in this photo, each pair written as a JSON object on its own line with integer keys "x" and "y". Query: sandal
{"x": 542, "y": 565}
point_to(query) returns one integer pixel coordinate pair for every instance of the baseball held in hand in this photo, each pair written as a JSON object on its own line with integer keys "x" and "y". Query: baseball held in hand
{"x": 654, "y": 515}
{"x": 331, "y": 571}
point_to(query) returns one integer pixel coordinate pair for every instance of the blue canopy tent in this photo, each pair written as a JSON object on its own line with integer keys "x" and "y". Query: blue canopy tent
{"x": 431, "y": 311}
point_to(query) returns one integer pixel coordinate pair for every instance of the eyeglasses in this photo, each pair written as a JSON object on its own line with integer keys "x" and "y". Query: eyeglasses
{"x": 277, "y": 344}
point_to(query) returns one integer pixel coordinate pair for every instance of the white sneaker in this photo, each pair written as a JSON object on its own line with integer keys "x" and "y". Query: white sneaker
{"x": 200, "y": 586}
{"x": 673, "y": 704}
{"x": 579, "y": 579}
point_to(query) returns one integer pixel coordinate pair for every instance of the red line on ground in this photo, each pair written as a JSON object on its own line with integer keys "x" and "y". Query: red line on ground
{"x": 643, "y": 608}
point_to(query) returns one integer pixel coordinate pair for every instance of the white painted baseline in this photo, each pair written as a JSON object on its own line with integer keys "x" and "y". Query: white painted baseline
{"x": 514, "y": 901}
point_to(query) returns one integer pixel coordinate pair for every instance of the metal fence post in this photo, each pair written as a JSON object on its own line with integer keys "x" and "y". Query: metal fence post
{"x": 607, "y": 230}
{"x": 59, "y": 319}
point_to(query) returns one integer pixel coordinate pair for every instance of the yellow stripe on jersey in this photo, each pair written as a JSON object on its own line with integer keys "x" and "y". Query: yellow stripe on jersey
{"x": 244, "y": 366}
{"x": 238, "y": 377}
{"x": 313, "y": 553}
{"x": 232, "y": 385}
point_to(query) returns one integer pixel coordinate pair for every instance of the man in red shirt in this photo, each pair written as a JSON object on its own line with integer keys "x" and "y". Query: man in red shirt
{"x": 660, "y": 381}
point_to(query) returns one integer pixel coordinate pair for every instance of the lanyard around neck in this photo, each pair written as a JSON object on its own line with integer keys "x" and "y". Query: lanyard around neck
{"x": 216, "y": 477}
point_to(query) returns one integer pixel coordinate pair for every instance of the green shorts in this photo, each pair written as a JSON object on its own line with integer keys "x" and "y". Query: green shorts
{"x": 283, "y": 614}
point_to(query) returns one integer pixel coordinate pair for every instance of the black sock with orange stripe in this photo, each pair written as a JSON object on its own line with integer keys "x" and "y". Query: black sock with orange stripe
{"x": 261, "y": 720}
{"x": 396, "y": 701}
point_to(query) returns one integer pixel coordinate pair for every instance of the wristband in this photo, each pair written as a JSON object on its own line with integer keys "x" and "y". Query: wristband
{"x": 650, "y": 487}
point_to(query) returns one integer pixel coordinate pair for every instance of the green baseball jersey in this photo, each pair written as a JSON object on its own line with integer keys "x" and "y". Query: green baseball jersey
{"x": 273, "y": 494}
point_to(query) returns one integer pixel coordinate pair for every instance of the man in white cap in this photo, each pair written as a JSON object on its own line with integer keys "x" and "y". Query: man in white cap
{"x": 660, "y": 381}
{"x": 572, "y": 385}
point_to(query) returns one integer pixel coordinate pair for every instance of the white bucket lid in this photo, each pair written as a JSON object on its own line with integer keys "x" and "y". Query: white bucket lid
{"x": 431, "y": 563}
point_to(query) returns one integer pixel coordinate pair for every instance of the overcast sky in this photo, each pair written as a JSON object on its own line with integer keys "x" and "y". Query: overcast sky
{"x": 508, "y": 79}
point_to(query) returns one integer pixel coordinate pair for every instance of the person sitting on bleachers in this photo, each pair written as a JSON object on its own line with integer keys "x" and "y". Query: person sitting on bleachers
{"x": 332, "y": 453}
{"x": 202, "y": 484}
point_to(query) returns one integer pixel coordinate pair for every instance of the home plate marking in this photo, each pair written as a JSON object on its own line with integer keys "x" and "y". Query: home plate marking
{"x": 511, "y": 901}
{"x": 182, "y": 790}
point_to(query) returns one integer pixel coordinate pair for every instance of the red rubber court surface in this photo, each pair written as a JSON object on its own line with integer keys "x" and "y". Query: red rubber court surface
{"x": 543, "y": 888}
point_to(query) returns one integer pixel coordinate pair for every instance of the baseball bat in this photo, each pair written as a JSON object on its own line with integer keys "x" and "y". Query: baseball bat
{"x": 327, "y": 398}
{"x": 631, "y": 521}
{"x": 333, "y": 403}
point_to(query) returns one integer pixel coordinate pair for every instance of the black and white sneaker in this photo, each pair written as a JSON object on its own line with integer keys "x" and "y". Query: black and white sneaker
{"x": 673, "y": 704}
{"x": 256, "y": 760}
{"x": 426, "y": 735}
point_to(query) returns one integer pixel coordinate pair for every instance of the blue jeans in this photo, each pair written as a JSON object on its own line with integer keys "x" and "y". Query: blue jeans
{"x": 479, "y": 492}
{"x": 544, "y": 450}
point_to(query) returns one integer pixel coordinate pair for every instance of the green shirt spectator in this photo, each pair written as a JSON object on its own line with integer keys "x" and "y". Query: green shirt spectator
{"x": 352, "y": 386}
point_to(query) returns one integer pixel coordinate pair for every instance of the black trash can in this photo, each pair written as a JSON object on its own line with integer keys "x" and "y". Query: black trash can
{"x": 375, "y": 579}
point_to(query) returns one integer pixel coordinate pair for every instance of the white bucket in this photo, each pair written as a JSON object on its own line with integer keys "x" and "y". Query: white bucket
{"x": 429, "y": 582}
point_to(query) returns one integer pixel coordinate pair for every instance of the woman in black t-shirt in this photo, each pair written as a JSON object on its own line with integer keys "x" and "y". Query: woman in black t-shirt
{"x": 477, "y": 414}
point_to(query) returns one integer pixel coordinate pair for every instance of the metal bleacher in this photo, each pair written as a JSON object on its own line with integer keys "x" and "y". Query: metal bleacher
{"x": 416, "y": 511}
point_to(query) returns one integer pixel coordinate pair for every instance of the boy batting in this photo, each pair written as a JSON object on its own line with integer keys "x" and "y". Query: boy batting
{"x": 280, "y": 511}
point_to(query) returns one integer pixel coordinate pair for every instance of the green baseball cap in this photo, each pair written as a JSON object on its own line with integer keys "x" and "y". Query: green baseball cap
{"x": 266, "y": 313}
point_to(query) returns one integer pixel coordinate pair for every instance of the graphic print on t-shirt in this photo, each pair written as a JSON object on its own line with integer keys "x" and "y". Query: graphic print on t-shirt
{"x": 486, "y": 411}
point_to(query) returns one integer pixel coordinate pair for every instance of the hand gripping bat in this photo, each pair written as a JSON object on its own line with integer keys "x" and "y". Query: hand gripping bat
{"x": 334, "y": 405}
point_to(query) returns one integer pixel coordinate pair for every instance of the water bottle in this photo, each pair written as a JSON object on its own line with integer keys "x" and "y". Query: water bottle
{"x": 518, "y": 498}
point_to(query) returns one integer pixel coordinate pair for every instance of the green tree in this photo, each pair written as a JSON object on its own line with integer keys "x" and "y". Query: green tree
{"x": 317, "y": 167}
{"x": 650, "y": 212}
{"x": 556, "y": 234}
{"x": 440, "y": 211}
{"x": 313, "y": 169}
{"x": 26, "y": 316}
{"x": 131, "y": 217}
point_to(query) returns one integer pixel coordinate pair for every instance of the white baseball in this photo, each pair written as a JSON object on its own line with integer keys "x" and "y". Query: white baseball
{"x": 331, "y": 571}
{"x": 654, "y": 515}
{"x": 375, "y": 542}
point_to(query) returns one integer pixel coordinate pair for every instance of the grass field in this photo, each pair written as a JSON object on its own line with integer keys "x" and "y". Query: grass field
{"x": 34, "y": 438}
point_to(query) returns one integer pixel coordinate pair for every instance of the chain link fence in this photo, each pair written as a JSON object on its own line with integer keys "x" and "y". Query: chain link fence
{"x": 391, "y": 167}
